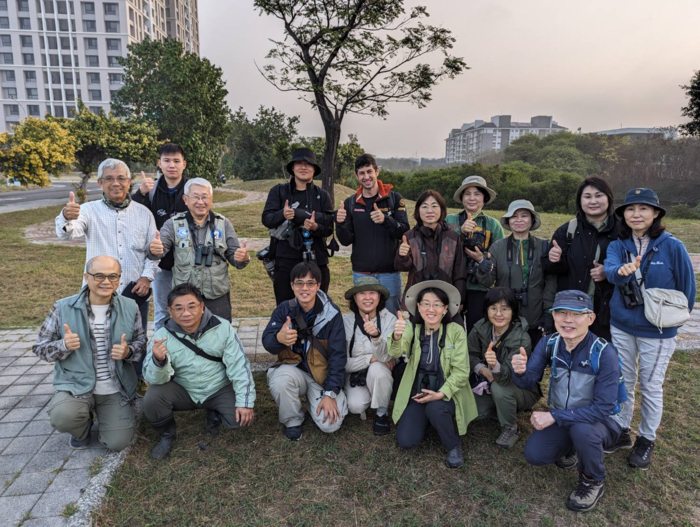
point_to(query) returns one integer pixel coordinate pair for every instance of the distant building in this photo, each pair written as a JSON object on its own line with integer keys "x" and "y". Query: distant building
{"x": 466, "y": 144}
{"x": 641, "y": 133}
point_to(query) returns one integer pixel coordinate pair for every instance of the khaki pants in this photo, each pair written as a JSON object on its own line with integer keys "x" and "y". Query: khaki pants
{"x": 287, "y": 384}
{"x": 377, "y": 392}
{"x": 71, "y": 415}
{"x": 504, "y": 403}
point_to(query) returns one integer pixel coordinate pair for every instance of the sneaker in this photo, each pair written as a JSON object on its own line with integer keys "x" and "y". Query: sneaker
{"x": 570, "y": 460}
{"x": 586, "y": 494}
{"x": 293, "y": 433}
{"x": 381, "y": 425}
{"x": 141, "y": 388}
{"x": 79, "y": 445}
{"x": 623, "y": 442}
{"x": 641, "y": 454}
{"x": 455, "y": 458}
{"x": 508, "y": 438}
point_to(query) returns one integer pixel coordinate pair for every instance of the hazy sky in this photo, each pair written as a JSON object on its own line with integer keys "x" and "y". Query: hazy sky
{"x": 594, "y": 64}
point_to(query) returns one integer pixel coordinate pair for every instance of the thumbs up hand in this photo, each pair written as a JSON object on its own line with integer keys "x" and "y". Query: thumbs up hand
{"x": 630, "y": 268}
{"x": 399, "y": 327}
{"x": 404, "y": 248}
{"x": 288, "y": 211}
{"x": 310, "y": 224}
{"x": 70, "y": 339}
{"x": 555, "y": 252}
{"x": 146, "y": 185}
{"x": 377, "y": 216}
{"x": 72, "y": 209}
{"x": 598, "y": 272}
{"x": 468, "y": 226}
{"x": 370, "y": 328}
{"x": 156, "y": 245}
{"x": 519, "y": 361}
{"x": 490, "y": 357}
{"x": 121, "y": 350}
{"x": 241, "y": 255}
{"x": 341, "y": 214}
{"x": 159, "y": 350}
{"x": 286, "y": 335}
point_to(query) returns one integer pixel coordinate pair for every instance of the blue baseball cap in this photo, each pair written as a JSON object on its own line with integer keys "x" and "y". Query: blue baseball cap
{"x": 572, "y": 300}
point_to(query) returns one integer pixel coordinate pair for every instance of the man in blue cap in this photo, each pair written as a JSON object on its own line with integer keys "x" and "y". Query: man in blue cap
{"x": 583, "y": 394}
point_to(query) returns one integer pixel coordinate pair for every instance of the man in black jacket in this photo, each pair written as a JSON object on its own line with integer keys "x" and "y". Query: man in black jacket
{"x": 300, "y": 217}
{"x": 163, "y": 197}
{"x": 373, "y": 222}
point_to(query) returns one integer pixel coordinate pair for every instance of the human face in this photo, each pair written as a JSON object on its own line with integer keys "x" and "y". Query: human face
{"x": 305, "y": 290}
{"x": 430, "y": 212}
{"x": 367, "y": 302}
{"x": 520, "y": 222}
{"x": 187, "y": 312}
{"x": 432, "y": 310}
{"x": 500, "y": 315}
{"x": 572, "y": 325}
{"x": 115, "y": 184}
{"x": 594, "y": 204}
{"x": 172, "y": 166}
{"x": 303, "y": 171}
{"x": 198, "y": 201}
{"x": 639, "y": 217}
{"x": 367, "y": 176}
{"x": 473, "y": 199}
{"x": 101, "y": 287}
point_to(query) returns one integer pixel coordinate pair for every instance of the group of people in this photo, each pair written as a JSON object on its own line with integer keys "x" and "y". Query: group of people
{"x": 481, "y": 317}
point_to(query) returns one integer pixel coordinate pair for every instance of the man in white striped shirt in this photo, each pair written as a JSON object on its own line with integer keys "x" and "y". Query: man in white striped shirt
{"x": 117, "y": 227}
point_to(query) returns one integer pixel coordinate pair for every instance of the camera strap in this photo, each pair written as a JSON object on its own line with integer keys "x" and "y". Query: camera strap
{"x": 438, "y": 248}
{"x": 358, "y": 321}
{"x": 299, "y": 319}
{"x": 192, "y": 346}
{"x": 509, "y": 258}
{"x": 640, "y": 276}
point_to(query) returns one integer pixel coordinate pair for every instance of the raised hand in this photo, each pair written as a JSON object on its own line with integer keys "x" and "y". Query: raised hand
{"x": 287, "y": 335}
{"x": 241, "y": 255}
{"x": 519, "y": 361}
{"x": 377, "y": 216}
{"x": 404, "y": 248}
{"x": 159, "y": 350}
{"x": 288, "y": 211}
{"x": 490, "y": 356}
{"x": 341, "y": 214}
{"x": 370, "y": 328}
{"x": 156, "y": 245}
{"x": 310, "y": 224}
{"x": 399, "y": 327}
{"x": 72, "y": 209}
{"x": 598, "y": 272}
{"x": 70, "y": 340}
{"x": 630, "y": 268}
{"x": 468, "y": 226}
{"x": 121, "y": 350}
{"x": 555, "y": 252}
{"x": 146, "y": 185}
{"x": 475, "y": 255}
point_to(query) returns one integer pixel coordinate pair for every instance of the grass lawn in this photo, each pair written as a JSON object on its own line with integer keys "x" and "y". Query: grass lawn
{"x": 256, "y": 477}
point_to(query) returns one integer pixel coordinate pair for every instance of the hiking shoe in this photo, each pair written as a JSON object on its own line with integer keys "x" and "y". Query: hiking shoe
{"x": 381, "y": 425}
{"x": 570, "y": 460}
{"x": 623, "y": 442}
{"x": 213, "y": 423}
{"x": 508, "y": 438}
{"x": 586, "y": 494}
{"x": 455, "y": 458}
{"x": 641, "y": 453}
{"x": 79, "y": 445}
{"x": 168, "y": 435}
{"x": 293, "y": 433}
{"x": 141, "y": 388}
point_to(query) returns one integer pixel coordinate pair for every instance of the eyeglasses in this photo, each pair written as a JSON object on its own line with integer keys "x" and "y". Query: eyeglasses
{"x": 301, "y": 284}
{"x": 500, "y": 309}
{"x": 431, "y": 206}
{"x": 428, "y": 305}
{"x": 121, "y": 180}
{"x": 576, "y": 315}
{"x": 180, "y": 310}
{"x": 100, "y": 277}
{"x": 204, "y": 198}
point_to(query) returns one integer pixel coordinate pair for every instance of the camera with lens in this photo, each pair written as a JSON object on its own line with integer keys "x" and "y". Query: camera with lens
{"x": 631, "y": 294}
{"x": 309, "y": 254}
{"x": 358, "y": 378}
{"x": 268, "y": 263}
{"x": 204, "y": 253}
{"x": 475, "y": 240}
{"x": 521, "y": 296}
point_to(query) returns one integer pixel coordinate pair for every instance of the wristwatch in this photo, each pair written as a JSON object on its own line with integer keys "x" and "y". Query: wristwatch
{"x": 331, "y": 394}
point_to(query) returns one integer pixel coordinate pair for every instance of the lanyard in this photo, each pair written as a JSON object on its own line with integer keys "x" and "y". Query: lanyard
{"x": 530, "y": 258}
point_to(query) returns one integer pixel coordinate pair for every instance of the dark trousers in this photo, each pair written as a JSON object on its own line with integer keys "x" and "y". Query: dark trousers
{"x": 474, "y": 310}
{"x": 143, "y": 311}
{"x": 221, "y": 307}
{"x": 414, "y": 421}
{"x": 161, "y": 400}
{"x": 546, "y": 446}
{"x": 282, "y": 283}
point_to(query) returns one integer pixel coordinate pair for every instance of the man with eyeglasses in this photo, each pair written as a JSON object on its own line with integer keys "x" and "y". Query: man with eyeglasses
{"x": 94, "y": 339}
{"x": 203, "y": 243}
{"x": 583, "y": 395}
{"x": 308, "y": 336}
{"x": 118, "y": 227}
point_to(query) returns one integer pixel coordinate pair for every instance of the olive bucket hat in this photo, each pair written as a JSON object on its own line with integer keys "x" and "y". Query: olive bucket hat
{"x": 367, "y": 283}
{"x": 474, "y": 181}
{"x": 519, "y": 204}
{"x": 451, "y": 291}
{"x": 641, "y": 196}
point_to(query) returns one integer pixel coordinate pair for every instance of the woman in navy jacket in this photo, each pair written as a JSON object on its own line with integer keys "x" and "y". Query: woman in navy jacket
{"x": 663, "y": 262}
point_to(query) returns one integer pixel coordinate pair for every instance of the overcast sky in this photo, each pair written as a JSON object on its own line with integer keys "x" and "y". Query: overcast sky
{"x": 594, "y": 64}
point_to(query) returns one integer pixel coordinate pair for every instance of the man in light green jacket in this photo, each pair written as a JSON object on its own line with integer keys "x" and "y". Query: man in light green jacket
{"x": 196, "y": 361}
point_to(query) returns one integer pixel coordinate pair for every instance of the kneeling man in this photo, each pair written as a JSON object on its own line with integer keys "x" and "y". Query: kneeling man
{"x": 583, "y": 394}
{"x": 94, "y": 338}
{"x": 306, "y": 333}
{"x": 196, "y": 361}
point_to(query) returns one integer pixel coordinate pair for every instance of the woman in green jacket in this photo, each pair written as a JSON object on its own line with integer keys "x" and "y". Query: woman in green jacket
{"x": 492, "y": 343}
{"x": 435, "y": 385}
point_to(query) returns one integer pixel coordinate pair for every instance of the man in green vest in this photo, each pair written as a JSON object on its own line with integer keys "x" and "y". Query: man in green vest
{"x": 204, "y": 243}
{"x": 94, "y": 338}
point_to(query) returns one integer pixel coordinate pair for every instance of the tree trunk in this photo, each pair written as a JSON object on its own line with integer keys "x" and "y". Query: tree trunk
{"x": 81, "y": 191}
{"x": 330, "y": 153}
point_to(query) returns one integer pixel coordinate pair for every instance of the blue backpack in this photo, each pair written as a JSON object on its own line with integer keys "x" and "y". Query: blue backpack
{"x": 594, "y": 360}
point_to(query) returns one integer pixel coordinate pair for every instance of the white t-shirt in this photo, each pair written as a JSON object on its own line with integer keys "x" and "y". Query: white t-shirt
{"x": 104, "y": 385}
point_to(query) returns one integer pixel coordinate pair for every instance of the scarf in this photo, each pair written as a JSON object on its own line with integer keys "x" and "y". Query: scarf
{"x": 117, "y": 206}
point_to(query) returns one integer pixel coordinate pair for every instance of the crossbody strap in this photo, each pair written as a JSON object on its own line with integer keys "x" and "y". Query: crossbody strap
{"x": 196, "y": 349}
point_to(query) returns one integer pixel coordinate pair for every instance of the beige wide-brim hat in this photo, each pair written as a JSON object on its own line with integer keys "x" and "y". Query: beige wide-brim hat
{"x": 519, "y": 204}
{"x": 474, "y": 181}
{"x": 411, "y": 300}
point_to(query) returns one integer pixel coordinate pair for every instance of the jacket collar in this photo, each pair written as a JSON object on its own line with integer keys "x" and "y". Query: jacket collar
{"x": 324, "y": 312}
{"x": 628, "y": 243}
{"x": 383, "y": 192}
{"x": 82, "y": 299}
{"x": 611, "y": 223}
{"x": 208, "y": 321}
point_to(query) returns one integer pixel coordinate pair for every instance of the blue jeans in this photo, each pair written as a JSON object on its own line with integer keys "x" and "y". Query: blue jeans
{"x": 392, "y": 281}
{"x": 162, "y": 285}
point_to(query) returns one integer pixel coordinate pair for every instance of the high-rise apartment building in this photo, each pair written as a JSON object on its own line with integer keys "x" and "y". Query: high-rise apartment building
{"x": 54, "y": 52}
{"x": 466, "y": 144}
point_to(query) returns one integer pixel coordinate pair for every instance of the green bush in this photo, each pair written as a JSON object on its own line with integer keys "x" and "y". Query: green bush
{"x": 685, "y": 212}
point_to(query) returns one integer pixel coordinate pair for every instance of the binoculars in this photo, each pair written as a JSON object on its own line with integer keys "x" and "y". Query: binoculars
{"x": 477, "y": 240}
{"x": 631, "y": 294}
{"x": 521, "y": 296}
{"x": 358, "y": 378}
{"x": 205, "y": 253}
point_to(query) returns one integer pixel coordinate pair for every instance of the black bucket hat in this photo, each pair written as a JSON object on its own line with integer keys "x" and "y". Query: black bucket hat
{"x": 641, "y": 196}
{"x": 304, "y": 154}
